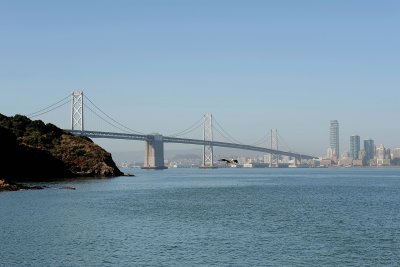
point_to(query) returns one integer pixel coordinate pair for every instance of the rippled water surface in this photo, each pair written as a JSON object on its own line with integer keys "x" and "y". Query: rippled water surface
{"x": 220, "y": 217}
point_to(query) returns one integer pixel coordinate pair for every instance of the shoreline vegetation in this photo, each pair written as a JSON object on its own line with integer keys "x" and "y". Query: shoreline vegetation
{"x": 33, "y": 151}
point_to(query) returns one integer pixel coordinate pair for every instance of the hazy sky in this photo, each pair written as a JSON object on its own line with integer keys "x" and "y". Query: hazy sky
{"x": 159, "y": 65}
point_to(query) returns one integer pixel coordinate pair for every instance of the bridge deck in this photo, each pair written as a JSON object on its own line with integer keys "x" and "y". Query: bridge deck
{"x": 167, "y": 139}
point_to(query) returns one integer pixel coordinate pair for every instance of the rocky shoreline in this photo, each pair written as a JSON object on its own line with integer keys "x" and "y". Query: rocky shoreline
{"x": 32, "y": 151}
{"x": 10, "y": 186}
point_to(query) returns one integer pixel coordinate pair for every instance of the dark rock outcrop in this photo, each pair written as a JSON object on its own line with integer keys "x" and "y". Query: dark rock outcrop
{"x": 9, "y": 186}
{"x": 34, "y": 151}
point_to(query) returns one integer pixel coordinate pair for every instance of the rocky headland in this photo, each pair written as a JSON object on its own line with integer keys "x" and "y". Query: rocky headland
{"x": 32, "y": 151}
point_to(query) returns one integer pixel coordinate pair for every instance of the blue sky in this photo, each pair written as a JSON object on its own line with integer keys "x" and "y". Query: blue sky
{"x": 159, "y": 65}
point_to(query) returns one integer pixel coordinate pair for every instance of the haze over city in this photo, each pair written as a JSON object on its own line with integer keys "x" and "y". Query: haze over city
{"x": 158, "y": 66}
{"x": 199, "y": 133}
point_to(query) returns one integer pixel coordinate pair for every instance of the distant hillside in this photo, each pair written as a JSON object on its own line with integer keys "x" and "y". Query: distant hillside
{"x": 34, "y": 151}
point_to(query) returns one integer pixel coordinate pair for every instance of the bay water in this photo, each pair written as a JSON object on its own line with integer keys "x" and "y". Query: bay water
{"x": 212, "y": 217}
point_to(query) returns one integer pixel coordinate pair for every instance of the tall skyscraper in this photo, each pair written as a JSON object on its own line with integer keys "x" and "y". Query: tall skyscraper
{"x": 354, "y": 146}
{"x": 334, "y": 139}
{"x": 369, "y": 148}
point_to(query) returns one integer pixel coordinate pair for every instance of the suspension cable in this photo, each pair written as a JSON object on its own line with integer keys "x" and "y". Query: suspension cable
{"x": 227, "y": 135}
{"x": 127, "y": 128}
{"x": 284, "y": 142}
{"x": 190, "y": 129}
{"x": 262, "y": 140}
{"x": 224, "y": 136}
{"x": 100, "y": 117}
{"x": 47, "y": 111}
{"x": 42, "y": 111}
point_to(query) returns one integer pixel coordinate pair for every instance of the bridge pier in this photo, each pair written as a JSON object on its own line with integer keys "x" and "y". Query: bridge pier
{"x": 154, "y": 153}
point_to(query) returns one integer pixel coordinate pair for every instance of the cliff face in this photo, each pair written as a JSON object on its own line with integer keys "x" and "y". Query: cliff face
{"x": 34, "y": 151}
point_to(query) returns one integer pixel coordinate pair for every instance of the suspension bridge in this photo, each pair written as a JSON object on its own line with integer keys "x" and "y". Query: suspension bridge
{"x": 154, "y": 143}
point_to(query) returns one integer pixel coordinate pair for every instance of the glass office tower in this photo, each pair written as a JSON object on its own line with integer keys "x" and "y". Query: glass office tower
{"x": 334, "y": 139}
{"x": 354, "y": 146}
{"x": 369, "y": 148}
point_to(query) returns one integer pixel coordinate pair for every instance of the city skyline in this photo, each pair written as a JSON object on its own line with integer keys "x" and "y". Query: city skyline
{"x": 256, "y": 65}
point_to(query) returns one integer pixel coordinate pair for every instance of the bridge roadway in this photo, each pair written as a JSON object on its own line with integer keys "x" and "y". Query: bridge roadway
{"x": 167, "y": 139}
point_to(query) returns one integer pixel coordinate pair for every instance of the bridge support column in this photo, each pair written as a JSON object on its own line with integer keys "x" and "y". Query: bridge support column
{"x": 274, "y": 158}
{"x": 77, "y": 111}
{"x": 154, "y": 153}
{"x": 208, "y": 158}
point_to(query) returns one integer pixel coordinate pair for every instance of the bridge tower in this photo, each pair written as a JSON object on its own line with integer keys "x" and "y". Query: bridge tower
{"x": 77, "y": 111}
{"x": 154, "y": 153}
{"x": 208, "y": 136}
{"x": 274, "y": 158}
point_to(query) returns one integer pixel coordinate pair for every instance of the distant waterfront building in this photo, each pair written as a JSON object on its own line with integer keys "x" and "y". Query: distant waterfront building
{"x": 388, "y": 154}
{"x": 266, "y": 159}
{"x": 382, "y": 156}
{"x": 354, "y": 146}
{"x": 334, "y": 139}
{"x": 329, "y": 153}
{"x": 380, "y": 152}
{"x": 361, "y": 154}
{"x": 396, "y": 156}
{"x": 345, "y": 160}
{"x": 396, "y": 153}
{"x": 362, "y": 158}
{"x": 369, "y": 148}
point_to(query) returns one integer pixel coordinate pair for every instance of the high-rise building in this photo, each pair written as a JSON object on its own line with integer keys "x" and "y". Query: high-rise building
{"x": 396, "y": 153}
{"x": 382, "y": 156}
{"x": 334, "y": 139}
{"x": 329, "y": 153}
{"x": 354, "y": 146}
{"x": 369, "y": 148}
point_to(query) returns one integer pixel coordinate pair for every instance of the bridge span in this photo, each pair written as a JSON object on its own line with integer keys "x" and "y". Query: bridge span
{"x": 154, "y": 143}
{"x": 154, "y": 147}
